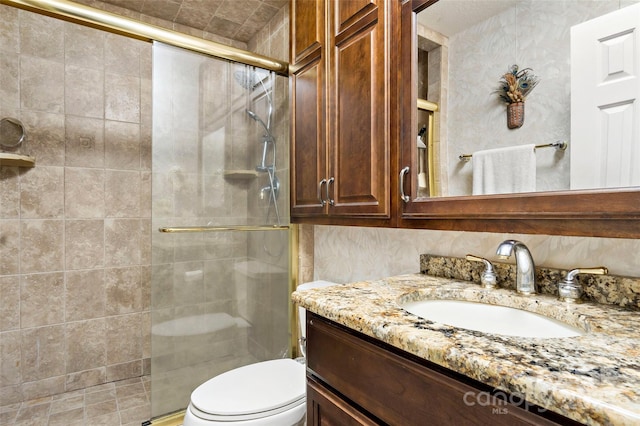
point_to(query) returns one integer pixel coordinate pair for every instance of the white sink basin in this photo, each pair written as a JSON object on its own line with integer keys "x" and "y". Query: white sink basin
{"x": 491, "y": 319}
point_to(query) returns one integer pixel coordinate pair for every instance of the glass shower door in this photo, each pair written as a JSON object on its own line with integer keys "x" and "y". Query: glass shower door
{"x": 220, "y": 238}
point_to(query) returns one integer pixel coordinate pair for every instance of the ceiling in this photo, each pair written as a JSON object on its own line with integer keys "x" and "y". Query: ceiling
{"x": 452, "y": 16}
{"x": 235, "y": 19}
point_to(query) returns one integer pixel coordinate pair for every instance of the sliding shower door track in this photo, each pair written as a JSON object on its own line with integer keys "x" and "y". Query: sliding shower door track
{"x": 185, "y": 229}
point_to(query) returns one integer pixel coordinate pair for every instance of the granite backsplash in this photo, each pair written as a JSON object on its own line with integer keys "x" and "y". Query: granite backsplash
{"x": 605, "y": 289}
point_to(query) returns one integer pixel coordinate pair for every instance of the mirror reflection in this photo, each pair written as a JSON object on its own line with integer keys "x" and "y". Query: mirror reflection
{"x": 576, "y": 128}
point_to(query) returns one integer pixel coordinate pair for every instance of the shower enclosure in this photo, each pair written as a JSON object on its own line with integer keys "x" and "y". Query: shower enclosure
{"x": 220, "y": 238}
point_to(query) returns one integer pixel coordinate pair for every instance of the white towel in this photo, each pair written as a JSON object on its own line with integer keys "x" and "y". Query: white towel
{"x": 504, "y": 170}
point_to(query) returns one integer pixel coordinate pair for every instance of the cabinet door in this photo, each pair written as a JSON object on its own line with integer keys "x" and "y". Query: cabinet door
{"x": 308, "y": 123}
{"x": 358, "y": 108}
{"x": 411, "y": 203}
{"x": 308, "y": 148}
{"x": 324, "y": 408}
{"x": 307, "y": 28}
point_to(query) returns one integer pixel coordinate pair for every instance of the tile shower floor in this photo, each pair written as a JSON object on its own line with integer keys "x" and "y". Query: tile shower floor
{"x": 124, "y": 403}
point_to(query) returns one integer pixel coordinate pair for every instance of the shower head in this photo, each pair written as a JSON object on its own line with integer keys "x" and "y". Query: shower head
{"x": 255, "y": 117}
{"x": 250, "y": 79}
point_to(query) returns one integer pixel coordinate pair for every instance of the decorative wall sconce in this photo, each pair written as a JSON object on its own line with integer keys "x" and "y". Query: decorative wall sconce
{"x": 513, "y": 88}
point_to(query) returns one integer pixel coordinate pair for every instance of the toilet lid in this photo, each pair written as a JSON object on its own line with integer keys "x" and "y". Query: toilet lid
{"x": 250, "y": 392}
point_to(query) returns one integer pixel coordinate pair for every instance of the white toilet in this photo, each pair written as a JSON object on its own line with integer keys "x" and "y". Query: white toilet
{"x": 261, "y": 394}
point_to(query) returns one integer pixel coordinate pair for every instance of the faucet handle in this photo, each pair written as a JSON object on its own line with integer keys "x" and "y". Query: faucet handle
{"x": 488, "y": 278}
{"x": 569, "y": 290}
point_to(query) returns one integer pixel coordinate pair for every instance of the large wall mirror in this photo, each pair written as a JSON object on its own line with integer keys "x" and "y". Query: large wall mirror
{"x": 575, "y": 154}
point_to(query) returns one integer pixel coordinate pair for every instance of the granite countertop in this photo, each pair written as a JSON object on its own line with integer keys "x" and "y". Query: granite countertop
{"x": 594, "y": 378}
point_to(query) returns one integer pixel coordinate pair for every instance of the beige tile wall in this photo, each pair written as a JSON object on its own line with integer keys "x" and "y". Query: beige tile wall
{"x": 74, "y": 230}
{"x": 305, "y": 253}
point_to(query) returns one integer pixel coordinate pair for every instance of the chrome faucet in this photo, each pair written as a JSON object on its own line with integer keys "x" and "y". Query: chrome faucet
{"x": 525, "y": 268}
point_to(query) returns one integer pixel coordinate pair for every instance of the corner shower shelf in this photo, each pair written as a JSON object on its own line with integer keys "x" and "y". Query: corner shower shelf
{"x": 240, "y": 174}
{"x": 16, "y": 160}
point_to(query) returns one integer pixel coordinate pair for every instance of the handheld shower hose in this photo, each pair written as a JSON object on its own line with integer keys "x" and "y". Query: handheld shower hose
{"x": 250, "y": 79}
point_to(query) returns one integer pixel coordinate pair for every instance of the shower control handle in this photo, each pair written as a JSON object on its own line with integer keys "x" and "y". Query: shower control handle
{"x": 403, "y": 173}
{"x": 323, "y": 202}
{"x": 332, "y": 202}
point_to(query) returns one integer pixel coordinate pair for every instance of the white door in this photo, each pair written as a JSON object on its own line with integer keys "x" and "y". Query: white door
{"x": 605, "y": 89}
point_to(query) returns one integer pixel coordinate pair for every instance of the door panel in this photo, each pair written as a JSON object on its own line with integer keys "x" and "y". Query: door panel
{"x": 308, "y": 153}
{"x": 307, "y": 28}
{"x": 360, "y": 140}
{"x": 605, "y": 117}
{"x": 352, "y": 13}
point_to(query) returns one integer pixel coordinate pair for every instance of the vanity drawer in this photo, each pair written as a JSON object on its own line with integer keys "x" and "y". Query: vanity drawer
{"x": 397, "y": 390}
{"x": 326, "y": 408}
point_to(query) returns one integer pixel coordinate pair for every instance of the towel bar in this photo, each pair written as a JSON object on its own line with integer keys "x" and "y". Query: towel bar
{"x": 561, "y": 145}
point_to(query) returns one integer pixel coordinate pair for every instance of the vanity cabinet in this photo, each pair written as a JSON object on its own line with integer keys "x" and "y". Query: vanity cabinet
{"x": 353, "y": 379}
{"x": 340, "y": 105}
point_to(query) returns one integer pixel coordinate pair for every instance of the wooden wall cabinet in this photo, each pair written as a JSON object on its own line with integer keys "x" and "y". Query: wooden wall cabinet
{"x": 353, "y": 379}
{"x": 353, "y": 130}
{"x": 340, "y": 103}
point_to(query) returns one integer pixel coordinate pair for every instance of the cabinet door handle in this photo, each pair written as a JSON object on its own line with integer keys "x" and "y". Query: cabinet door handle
{"x": 403, "y": 173}
{"x": 322, "y": 200}
{"x": 332, "y": 202}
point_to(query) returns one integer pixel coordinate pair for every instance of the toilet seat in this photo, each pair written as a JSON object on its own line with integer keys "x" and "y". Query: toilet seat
{"x": 251, "y": 392}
